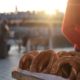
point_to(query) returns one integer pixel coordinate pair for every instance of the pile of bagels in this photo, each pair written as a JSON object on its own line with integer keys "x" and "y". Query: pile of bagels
{"x": 63, "y": 63}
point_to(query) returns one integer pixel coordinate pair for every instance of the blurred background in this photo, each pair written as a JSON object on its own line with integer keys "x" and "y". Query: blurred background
{"x": 35, "y": 24}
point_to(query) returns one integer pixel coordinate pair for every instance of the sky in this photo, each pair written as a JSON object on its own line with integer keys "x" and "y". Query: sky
{"x": 49, "y": 6}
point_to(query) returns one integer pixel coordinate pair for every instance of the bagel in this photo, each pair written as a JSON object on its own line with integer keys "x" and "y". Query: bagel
{"x": 73, "y": 74}
{"x": 74, "y": 53}
{"x": 26, "y": 60}
{"x": 44, "y": 61}
{"x": 67, "y": 53}
{"x": 63, "y": 66}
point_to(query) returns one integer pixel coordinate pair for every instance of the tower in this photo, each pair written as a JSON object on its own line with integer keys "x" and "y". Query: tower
{"x": 16, "y": 9}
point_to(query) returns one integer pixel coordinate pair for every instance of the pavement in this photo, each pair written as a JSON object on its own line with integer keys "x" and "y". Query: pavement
{"x": 8, "y": 64}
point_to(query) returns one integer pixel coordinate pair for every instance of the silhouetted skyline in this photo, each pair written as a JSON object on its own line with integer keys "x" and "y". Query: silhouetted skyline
{"x": 49, "y": 6}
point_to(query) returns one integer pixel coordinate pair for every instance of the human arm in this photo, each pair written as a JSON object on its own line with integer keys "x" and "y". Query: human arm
{"x": 71, "y": 22}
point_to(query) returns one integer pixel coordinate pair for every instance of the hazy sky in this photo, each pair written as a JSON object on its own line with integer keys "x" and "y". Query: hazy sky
{"x": 23, "y": 5}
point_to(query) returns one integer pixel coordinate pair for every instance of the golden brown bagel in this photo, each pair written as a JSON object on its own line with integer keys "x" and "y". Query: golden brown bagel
{"x": 66, "y": 53}
{"x": 44, "y": 61}
{"x": 63, "y": 66}
{"x": 26, "y": 60}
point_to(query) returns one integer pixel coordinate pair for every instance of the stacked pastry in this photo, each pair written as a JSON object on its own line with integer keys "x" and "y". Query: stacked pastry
{"x": 26, "y": 60}
{"x": 62, "y": 63}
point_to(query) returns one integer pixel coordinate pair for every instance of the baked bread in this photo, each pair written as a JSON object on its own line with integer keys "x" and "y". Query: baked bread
{"x": 27, "y": 59}
{"x": 44, "y": 61}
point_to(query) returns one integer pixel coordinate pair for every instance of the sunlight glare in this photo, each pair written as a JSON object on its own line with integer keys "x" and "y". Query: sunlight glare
{"x": 49, "y": 6}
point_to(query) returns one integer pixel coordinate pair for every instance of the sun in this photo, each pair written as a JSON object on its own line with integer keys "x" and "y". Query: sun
{"x": 49, "y": 6}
